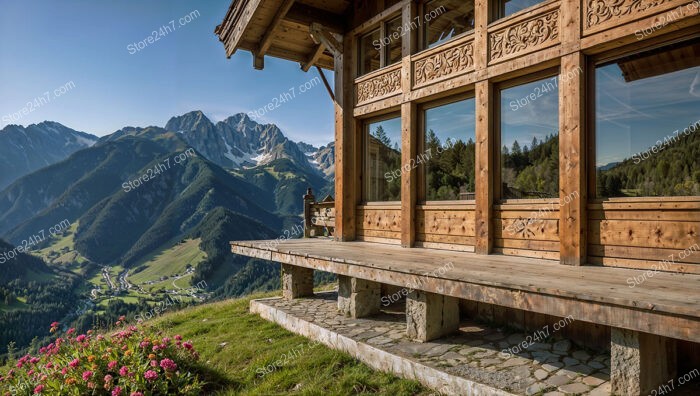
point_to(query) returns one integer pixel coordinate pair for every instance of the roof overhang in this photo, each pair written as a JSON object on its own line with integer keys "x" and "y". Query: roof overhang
{"x": 282, "y": 29}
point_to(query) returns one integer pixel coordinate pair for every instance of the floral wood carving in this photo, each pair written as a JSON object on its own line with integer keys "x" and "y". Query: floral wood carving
{"x": 444, "y": 63}
{"x": 599, "y": 11}
{"x": 379, "y": 86}
{"x": 525, "y": 35}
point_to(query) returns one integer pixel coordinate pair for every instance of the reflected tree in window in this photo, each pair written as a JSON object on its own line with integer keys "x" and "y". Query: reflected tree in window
{"x": 383, "y": 161}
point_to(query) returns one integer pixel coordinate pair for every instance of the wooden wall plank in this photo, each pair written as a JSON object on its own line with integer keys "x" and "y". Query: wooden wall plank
{"x": 572, "y": 158}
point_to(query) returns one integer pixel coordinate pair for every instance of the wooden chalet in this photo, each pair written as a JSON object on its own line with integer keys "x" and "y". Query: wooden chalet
{"x": 574, "y": 244}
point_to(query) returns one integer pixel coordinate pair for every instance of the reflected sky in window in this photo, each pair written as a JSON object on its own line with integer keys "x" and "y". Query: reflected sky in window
{"x": 529, "y": 110}
{"x": 513, "y": 6}
{"x": 455, "y": 121}
{"x": 632, "y": 116}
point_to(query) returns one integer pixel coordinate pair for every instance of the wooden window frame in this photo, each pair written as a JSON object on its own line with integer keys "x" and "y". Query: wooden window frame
{"x": 381, "y": 26}
{"x": 592, "y": 63}
{"x": 364, "y": 128}
{"x": 420, "y": 147}
{"x": 497, "y": 132}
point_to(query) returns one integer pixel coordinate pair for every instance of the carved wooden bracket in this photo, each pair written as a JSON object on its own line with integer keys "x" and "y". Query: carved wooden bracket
{"x": 320, "y": 35}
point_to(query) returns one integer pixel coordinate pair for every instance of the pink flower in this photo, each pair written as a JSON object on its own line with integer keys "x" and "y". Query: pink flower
{"x": 108, "y": 379}
{"x": 49, "y": 365}
{"x": 187, "y": 345}
{"x": 124, "y": 371}
{"x": 38, "y": 389}
{"x": 178, "y": 337}
{"x": 64, "y": 370}
{"x": 144, "y": 344}
{"x": 117, "y": 391}
{"x": 70, "y": 331}
{"x": 111, "y": 365}
{"x": 55, "y": 324}
{"x": 136, "y": 394}
{"x": 34, "y": 360}
{"x": 87, "y": 375}
{"x": 80, "y": 338}
{"x": 150, "y": 375}
{"x": 74, "y": 363}
{"x": 168, "y": 365}
{"x": 154, "y": 363}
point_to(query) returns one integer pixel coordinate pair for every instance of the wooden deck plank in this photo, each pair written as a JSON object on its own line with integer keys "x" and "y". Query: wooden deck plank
{"x": 665, "y": 303}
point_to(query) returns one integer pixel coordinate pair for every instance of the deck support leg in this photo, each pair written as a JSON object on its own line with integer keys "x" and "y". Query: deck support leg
{"x": 358, "y": 298}
{"x": 430, "y": 316}
{"x": 640, "y": 362}
{"x": 297, "y": 281}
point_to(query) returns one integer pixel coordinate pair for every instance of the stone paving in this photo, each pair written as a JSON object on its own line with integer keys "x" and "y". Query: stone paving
{"x": 550, "y": 368}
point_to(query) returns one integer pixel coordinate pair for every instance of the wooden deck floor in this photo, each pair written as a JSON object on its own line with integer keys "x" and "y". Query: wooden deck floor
{"x": 662, "y": 303}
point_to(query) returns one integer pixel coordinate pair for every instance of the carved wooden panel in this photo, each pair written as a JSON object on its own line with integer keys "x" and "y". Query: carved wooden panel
{"x": 600, "y": 12}
{"x": 530, "y": 35}
{"x": 444, "y": 63}
{"x": 379, "y": 86}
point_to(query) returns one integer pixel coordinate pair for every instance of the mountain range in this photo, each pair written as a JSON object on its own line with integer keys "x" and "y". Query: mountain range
{"x": 141, "y": 195}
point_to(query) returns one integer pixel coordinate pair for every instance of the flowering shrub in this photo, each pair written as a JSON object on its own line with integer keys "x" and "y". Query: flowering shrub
{"x": 129, "y": 362}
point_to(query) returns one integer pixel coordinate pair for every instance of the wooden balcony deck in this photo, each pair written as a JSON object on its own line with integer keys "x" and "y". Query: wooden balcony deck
{"x": 663, "y": 303}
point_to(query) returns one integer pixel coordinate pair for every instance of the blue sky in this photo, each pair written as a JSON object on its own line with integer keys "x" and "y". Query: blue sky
{"x": 46, "y": 44}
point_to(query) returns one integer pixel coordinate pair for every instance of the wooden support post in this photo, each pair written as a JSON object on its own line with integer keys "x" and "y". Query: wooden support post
{"x": 484, "y": 168}
{"x": 481, "y": 23}
{"x": 297, "y": 282}
{"x": 345, "y": 150}
{"x": 409, "y": 133}
{"x": 572, "y": 160}
{"x": 430, "y": 316}
{"x": 308, "y": 224}
{"x": 357, "y": 297}
{"x": 640, "y": 362}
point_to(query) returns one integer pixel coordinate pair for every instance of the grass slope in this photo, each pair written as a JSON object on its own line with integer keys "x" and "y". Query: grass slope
{"x": 252, "y": 343}
{"x": 168, "y": 262}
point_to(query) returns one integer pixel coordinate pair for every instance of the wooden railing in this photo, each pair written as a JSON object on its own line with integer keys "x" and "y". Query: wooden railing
{"x": 319, "y": 217}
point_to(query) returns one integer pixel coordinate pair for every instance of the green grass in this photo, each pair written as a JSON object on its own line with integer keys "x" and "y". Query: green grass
{"x": 253, "y": 343}
{"x": 168, "y": 262}
{"x": 62, "y": 252}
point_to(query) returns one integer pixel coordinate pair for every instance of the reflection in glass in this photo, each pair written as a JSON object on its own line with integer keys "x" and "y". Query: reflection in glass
{"x": 508, "y": 7}
{"x": 449, "y": 150}
{"x": 445, "y": 19}
{"x": 369, "y": 52}
{"x": 647, "y": 124}
{"x": 530, "y": 140}
{"x": 383, "y": 161}
{"x": 394, "y": 35}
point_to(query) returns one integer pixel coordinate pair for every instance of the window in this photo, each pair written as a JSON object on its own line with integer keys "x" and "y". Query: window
{"x": 369, "y": 52}
{"x": 382, "y": 155}
{"x": 508, "y": 7}
{"x": 448, "y": 151}
{"x": 529, "y": 140}
{"x": 647, "y": 126}
{"x": 394, "y": 30}
{"x": 381, "y": 47}
{"x": 444, "y": 19}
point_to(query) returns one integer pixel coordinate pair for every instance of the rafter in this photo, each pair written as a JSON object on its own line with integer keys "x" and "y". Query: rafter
{"x": 321, "y": 35}
{"x": 266, "y": 42}
{"x": 313, "y": 58}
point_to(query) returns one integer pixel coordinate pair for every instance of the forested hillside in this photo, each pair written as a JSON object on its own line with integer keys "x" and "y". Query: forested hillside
{"x": 672, "y": 171}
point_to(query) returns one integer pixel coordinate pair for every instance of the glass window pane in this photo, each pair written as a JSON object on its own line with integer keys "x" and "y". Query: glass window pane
{"x": 449, "y": 151}
{"x": 394, "y": 35}
{"x": 369, "y": 52}
{"x": 530, "y": 140}
{"x": 647, "y": 121}
{"x": 445, "y": 19}
{"x": 512, "y": 6}
{"x": 383, "y": 161}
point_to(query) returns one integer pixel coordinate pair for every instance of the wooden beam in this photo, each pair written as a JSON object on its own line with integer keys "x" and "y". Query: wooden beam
{"x": 485, "y": 168}
{"x": 321, "y": 35}
{"x": 325, "y": 82}
{"x": 345, "y": 148}
{"x": 572, "y": 160}
{"x": 266, "y": 41}
{"x": 306, "y": 15}
{"x": 409, "y": 133}
{"x": 313, "y": 58}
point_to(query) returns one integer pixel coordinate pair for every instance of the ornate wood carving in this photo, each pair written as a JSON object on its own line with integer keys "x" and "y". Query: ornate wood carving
{"x": 525, "y": 36}
{"x": 600, "y": 11}
{"x": 379, "y": 86}
{"x": 445, "y": 63}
